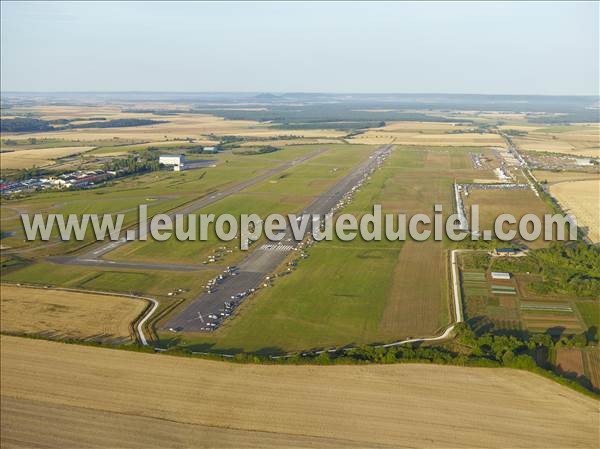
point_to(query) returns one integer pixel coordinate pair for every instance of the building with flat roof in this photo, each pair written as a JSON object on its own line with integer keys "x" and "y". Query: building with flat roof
{"x": 507, "y": 252}
{"x": 176, "y": 161}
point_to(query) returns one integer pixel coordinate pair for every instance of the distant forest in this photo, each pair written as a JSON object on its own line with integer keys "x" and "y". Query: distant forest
{"x": 316, "y": 115}
{"x": 27, "y": 124}
{"x": 313, "y": 115}
{"x": 20, "y": 125}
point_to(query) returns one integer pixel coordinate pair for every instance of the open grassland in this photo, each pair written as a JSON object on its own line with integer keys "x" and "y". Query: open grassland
{"x": 427, "y": 133}
{"x": 582, "y": 199}
{"x": 358, "y": 292}
{"x": 590, "y": 312}
{"x": 116, "y": 403}
{"x": 62, "y": 314}
{"x": 37, "y": 157}
{"x": 574, "y": 140}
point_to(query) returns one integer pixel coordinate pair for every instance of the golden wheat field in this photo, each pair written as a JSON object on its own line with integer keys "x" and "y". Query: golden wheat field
{"x": 63, "y": 314}
{"x": 582, "y": 199}
{"x": 574, "y": 140}
{"x": 38, "y": 157}
{"x": 180, "y": 126}
{"x": 130, "y": 399}
{"x": 427, "y": 133}
{"x": 552, "y": 177}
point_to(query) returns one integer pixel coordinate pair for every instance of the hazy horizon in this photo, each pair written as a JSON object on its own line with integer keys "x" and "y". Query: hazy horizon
{"x": 539, "y": 48}
{"x": 284, "y": 93}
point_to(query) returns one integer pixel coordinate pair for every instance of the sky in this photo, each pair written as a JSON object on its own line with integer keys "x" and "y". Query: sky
{"x": 439, "y": 47}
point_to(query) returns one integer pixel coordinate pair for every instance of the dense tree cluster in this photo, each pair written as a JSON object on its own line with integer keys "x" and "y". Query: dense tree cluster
{"x": 24, "y": 124}
{"x": 572, "y": 269}
{"x": 146, "y": 162}
{"x": 259, "y": 150}
{"x": 117, "y": 123}
{"x": 27, "y": 124}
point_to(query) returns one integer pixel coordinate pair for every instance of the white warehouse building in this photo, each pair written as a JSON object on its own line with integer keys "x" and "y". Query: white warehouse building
{"x": 500, "y": 275}
{"x": 177, "y": 162}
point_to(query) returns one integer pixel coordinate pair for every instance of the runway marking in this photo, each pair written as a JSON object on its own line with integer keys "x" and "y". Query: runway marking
{"x": 276, "y": 247}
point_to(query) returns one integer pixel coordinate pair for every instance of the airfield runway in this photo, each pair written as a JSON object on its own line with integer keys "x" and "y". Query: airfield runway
{"x": 264, "y": 260}
{"x": 93, "y": 256}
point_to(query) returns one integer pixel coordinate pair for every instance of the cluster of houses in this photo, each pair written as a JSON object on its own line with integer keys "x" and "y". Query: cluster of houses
{"x": 87, "y": 178}
{"x": 77, "y": 179}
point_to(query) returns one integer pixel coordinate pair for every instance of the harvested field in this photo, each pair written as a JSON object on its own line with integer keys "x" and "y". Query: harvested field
{"x": 518, "y": 203}
{"x": 417, "y": 295}
{"x": 552, "y": 326}
{"x": 553, "y": 177}
{"x": 592, "y": 365}
{"x": 564, "y": 318}
{"x": 556, "y": 317}
{"x": 116, "y": 403}
{"x": 569, "y": 361}
{"x": 179, "y": 126}
{"x": 380, "y": 137}
{"x": 573, "y": 140}
{"x": 427, "y": 133}
{"x": 289, "y": 142}
{"x": 582, "y": 199}
{"x": 38, "y": 157}
{"x": 61, "y": 314}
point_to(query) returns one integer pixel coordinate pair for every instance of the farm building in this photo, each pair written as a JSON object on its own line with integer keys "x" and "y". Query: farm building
{"x": 500, "y": 275}
{"x": 177, "y": 162}
{"x": 210, "y": 150}
{"x": 506, "y": 252}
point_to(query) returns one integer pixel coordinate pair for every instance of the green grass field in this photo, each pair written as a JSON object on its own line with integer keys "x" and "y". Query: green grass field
{"x": 284, "y": 193}
{"x": 590, "y": 312}
{"x": 358, "y": 292}
{"x": 155, "y": 283}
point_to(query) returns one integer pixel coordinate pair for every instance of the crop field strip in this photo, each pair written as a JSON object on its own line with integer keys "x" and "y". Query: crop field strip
{"x": 38, "y": 157}
{"x": 503, "y": 290}
{"x": 582, "y": 199}
{"x": 551, "y": 307}
{"x": 177, "y": 126}
{"x": 592, "y": 366}
{"x": 574, "y": 140}
{"x": 518, "y": 203}
{"x": 544, "y": 316}
{"x": 336, "y": 406}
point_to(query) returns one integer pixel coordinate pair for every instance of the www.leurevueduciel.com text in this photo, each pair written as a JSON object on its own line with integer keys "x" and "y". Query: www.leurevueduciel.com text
{"x": 373, "y": 226}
